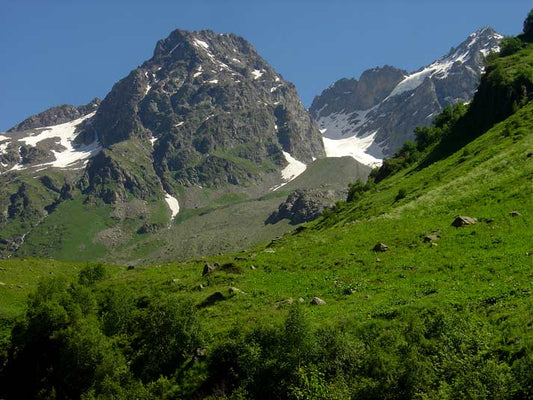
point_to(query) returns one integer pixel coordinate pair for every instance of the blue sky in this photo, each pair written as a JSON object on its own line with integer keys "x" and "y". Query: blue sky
{"x": 67, "y": 52}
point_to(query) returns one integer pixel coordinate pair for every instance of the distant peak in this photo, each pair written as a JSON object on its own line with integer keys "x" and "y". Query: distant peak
{"x": 195, "y": 40}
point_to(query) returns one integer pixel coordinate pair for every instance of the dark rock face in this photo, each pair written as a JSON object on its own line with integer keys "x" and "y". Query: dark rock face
{"x": 109, "y": 178}
{"x": 56, "y": 115}
{"x": 303, "y": 206}
{"x": 211, "y": 106}
{"x": 390, "y": 103}
{"x": 373, "y": 86}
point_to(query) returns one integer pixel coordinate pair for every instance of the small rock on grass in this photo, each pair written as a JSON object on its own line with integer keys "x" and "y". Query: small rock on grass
{"x": 463, "y": 220}
{"x": 208, "y": 268}
{"x": 317, "y": 301}
{"x": 381, "y": 247}
{"x": 431, "y": 238}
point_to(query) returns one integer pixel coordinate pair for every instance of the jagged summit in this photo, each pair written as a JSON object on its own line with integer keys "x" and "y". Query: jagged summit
{"x": 370, "y": 127}
{"x": 56, "y": 115}
{"x": 203, "y": 102}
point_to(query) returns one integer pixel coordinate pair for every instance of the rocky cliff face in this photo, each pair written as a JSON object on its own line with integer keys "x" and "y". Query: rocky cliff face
{"x": 372, "y": 124}
{"x": 213, "y": 110}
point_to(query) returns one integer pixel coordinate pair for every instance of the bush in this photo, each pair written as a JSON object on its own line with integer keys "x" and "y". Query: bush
{"x": 510, "y": 45}
{"x": 402, "y": 193}
{"x": 168, "y": 334}
{"x": 355, "y": 190}
{"x": 92, "y": 274}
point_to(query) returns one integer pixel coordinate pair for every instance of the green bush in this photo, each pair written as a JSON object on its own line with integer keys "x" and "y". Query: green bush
{"x": 92, "y": 274}
{"x": 510, "y": 45}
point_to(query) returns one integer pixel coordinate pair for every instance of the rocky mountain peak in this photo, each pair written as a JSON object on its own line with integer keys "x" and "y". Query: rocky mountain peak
{"x": 348, "y": 94}
{"x": 209, "y": 111}
{"x": 371, "y": 118}
{"x": 56, "y": 115}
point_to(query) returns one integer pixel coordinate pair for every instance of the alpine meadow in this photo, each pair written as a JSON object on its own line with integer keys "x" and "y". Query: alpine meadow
{"x": 200, "y": 234}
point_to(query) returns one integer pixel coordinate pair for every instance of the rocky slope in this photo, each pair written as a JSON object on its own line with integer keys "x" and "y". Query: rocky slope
{"x": 56, "y": 115}
{"x": 213, "y": 110}
{"x": 205, "y": 123}
{"x": 372, "y": 117}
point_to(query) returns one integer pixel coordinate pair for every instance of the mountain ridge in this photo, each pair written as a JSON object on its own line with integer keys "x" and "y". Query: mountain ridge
{"x": 412, "y": 100}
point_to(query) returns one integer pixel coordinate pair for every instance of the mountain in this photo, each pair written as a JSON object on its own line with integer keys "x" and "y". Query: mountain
{"x": 419, "y": 287}
{"x": 205, "y": 126}
{"x": 372, "y": 117}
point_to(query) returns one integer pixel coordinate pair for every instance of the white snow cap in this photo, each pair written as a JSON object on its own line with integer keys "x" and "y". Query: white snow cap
{"x": 65, "y": 134}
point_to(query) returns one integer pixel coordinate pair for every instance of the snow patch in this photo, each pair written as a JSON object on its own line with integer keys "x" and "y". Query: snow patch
{"x": 198, "y": 72}
{"x": 341, "y": 125}
{"x": 173, "y": 205}
{"x": 355, "y": 147}
{"x": 201, "y": 43}
{"x": 294, "y": 169}
{"x": 213, "y": 81}
{"x": 65, "y": 133}
{"x": 148, "y": 88}
{"x": 258, "y": 73}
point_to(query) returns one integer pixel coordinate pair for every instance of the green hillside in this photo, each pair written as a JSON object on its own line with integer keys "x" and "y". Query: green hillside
{"x": 444, "y": 313}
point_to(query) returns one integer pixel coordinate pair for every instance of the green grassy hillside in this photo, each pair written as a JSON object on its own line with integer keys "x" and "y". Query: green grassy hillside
{"x": 445, "y": 313}
{"x": 471, "y": 288}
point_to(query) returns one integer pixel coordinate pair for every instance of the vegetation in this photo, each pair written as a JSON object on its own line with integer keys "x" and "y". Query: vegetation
{"x": 444, "y": 313}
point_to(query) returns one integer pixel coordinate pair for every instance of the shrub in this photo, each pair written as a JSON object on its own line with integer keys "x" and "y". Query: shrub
{"x": 92, "y": 274}
{"x": 510, "y": 45}
{"x": 402, "y": 193}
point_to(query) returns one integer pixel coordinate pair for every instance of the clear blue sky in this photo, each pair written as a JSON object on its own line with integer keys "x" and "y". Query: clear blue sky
{"x": 67, "y": 52}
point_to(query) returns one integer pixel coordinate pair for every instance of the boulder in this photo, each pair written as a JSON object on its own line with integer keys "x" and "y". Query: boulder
{"x": 208, "y": 268}
{"x": 212, "y": 299}
{"x": 431, "y": 238}
{"x": 317, "y": 301}
{"x": 463, "y": 220}
{"x": 381, "y": 247}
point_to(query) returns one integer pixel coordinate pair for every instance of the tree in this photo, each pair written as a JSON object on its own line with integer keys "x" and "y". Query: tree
{"x": 527, "y": 36}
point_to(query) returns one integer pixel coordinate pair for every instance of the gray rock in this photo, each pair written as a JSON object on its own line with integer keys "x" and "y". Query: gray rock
{"x": 431, "y": 238}
{"x": 203, "y": 95}
{"x": 463, "y": 220}
{"x": 316, "y": 301}
{"x": 304, "y": 206}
